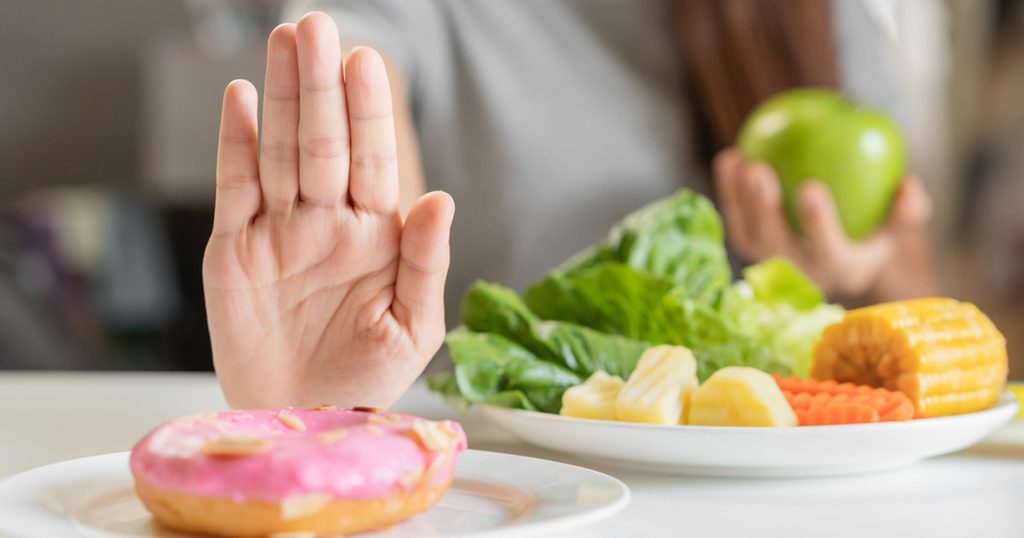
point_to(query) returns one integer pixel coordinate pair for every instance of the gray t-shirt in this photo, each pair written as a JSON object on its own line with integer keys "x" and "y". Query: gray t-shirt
{"x": 546, "y": 120}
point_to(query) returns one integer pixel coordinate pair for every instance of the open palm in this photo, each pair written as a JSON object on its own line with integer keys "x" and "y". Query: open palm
{"x": 316, "y": 291}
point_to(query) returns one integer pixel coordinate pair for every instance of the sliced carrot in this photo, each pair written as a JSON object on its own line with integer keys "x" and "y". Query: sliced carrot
{"x": 818, "y": 403}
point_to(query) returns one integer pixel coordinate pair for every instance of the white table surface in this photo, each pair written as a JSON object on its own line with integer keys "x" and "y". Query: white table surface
{"x": 50, "y": 417}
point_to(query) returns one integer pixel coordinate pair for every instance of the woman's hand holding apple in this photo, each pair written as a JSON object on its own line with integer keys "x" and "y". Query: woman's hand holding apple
{"x": 750, "y": 198}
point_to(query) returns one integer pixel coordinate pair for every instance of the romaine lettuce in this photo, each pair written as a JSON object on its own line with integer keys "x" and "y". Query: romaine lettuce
{"x": 496, "y": 309}
{"x": 660, "y": 277}
{"x": 783, "y": 308}
{"x": 491, "y": 368}
{"x": 679, "y": 238}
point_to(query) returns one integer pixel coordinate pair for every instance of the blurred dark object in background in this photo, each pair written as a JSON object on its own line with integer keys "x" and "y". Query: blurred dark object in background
{"x": 90, "y": 276}
{"x": 115, "y": 103}
{"x": 186, "y": 342}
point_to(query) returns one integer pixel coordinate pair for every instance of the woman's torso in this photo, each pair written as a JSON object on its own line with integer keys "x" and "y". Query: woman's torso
{"x": 549, "y": 120}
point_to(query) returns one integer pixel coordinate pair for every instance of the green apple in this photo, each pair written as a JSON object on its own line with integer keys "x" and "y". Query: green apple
{"x": 858, "y": 153}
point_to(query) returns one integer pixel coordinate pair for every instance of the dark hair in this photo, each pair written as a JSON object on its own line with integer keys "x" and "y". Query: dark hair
{"x": 736, "y": 53}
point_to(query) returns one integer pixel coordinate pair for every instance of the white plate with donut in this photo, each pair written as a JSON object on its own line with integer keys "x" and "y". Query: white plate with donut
{"x": 755, "y": 452}
{"x": 493, "y": 495}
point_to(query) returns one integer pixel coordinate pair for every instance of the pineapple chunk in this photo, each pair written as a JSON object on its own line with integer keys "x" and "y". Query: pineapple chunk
{"x": 594, "y": 398}
{"x": 658, "y": 390}
{"x": 740, "y": 396}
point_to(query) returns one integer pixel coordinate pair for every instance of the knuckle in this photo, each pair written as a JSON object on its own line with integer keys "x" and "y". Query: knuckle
{"x": 278, "y": 200}
{"x": 279, "y": 151}
{"x": 324, "y": 147}
{"x": 374, "y": 161}
{"x": 235, "y": 181}
{"x": 383, "y": 115}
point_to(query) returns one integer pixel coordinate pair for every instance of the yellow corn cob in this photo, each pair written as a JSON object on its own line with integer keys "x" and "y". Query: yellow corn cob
{"x": 1018, "y": 390}
{"x": 740, "y": 396}
{"x": 595, "y": 398}
{"x": 659, "y": 388}
{"x": 947, "y": 356}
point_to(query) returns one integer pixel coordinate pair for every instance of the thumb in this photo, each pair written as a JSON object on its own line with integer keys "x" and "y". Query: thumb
{"x": 422, "y": 269}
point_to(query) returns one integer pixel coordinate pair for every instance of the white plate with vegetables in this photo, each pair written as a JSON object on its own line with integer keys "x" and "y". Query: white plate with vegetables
{"x": 755, "y": 452}
{"x": 659, "y": 360}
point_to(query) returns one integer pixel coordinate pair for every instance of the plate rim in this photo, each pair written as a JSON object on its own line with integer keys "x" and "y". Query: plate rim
{"x": 526, "y": 527}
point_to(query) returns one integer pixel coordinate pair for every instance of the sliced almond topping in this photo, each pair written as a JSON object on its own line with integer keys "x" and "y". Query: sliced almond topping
{"x": 435, "y": 466}
{"x": 435, "y": 436}
{"x": 235, "y": 446}
{"x": 374, "y": 429}
{"x": 410, "y": 479}
{"x": 383, "y": 418}
{"x": 363, "y": 409}
{"x": 325, "y": 407}
{"x": 331, "y": 436}
{"x": 291, "y": 421}
{"x": 449, "y": 430}
{"x": 304, "y": 505}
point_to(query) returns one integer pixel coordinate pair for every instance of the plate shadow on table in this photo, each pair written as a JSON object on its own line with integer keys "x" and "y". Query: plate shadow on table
{"x": 997, "y": 450}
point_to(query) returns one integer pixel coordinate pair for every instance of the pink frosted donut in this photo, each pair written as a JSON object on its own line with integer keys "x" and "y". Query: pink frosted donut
{"x": 321, "y": 470}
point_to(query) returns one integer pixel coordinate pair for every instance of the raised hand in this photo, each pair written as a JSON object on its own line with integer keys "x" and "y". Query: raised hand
{"x": 894, "y": 262}
{"x": 316, "y": 291}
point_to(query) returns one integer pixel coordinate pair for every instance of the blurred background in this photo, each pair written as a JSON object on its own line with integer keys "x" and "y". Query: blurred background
{"x": 108, "y": 120}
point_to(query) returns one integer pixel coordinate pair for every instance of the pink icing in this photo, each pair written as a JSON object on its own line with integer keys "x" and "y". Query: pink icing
{"x": 376, "y": 457}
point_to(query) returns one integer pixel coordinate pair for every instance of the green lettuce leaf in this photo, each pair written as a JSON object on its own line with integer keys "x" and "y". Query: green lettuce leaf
{"x": 609, "y": 297}
{"x": 679, "y": 238}
{"x": 495, "y": 309}
{"x": 778, "y": 281}
{"x": 781, "y": 307}
{"x": 661, "y": 276}
{"x": 444, "y": 383}
{"x": 617, "y": 299}
{"x": 492, "y": 368}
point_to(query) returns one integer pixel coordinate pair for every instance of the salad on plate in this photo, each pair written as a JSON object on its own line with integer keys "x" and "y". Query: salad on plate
{"x": 649, "y": 326}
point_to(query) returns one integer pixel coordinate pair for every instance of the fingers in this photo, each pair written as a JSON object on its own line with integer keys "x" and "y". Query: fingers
{"x": 911, "y": 205}
{"x": 238, "y": 180}
{"x": 279, "y": 150}
{"x": 419, "y": 286}
{"x": 760, "y": 199}
{"x": 726, "y": 166}
{"x": 373, "y": 175}
{"x": 820, "y": 221}
{"x": 323, "y": 122}
{"x": 848, "y": 268}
